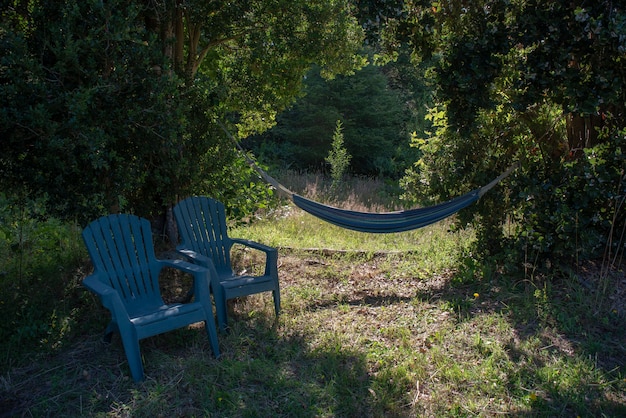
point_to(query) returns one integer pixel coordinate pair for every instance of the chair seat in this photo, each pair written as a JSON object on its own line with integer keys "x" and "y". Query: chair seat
{"x": 151, "y": 315}
{"x": 233, "y": 282}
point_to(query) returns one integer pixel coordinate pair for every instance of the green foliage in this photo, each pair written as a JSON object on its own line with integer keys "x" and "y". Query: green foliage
{"x": 39, "y": 255}
{"x": 338, "y": 157}
{"x": 540, "y": 83}
{"x": 576, "y": 210}
{"x": 85, "y": 117}
{"x": 104, "y": 108}
{"x": 261, "y": 50}
{"x": 377, "y": 112}
{"x": 244, "y": 193}
{"x": 570, "y": 208}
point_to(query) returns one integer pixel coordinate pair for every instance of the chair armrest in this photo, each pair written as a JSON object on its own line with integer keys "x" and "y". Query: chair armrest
{"x": 256, "y": 245}
{"x": 271, "y": 262}
{"x": 203, "y": 274}
{"x": 195, "y": 258}
{"x": 108, "y": 296}
{"x": 184, "y": 266}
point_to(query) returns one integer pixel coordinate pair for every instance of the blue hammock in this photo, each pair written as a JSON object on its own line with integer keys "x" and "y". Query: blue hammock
{"x": 378, "y": 223}
{"x": 385, "y": 222}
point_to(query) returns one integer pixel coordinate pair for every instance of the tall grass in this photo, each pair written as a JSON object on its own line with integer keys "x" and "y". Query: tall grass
{"x": 354, "y": 193}
{"x": 288, "y": 227}
{"x": 300, "y": 232}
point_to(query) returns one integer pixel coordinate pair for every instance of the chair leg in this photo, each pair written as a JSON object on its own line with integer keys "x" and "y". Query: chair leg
{"x": 221, "y": 308}
{"x": 276, "y": 301}
{"x": 133, "y": 355}
{"x": 209, "y": 324}
{"x": 108, "y": 332}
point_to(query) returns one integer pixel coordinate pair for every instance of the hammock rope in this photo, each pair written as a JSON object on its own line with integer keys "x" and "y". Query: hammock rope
{"x": 382, "y": 222}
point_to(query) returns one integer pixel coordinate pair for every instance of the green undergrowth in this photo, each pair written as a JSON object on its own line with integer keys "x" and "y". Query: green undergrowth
{"x": 42, "y": 263}
{"x": 397, "y": 325}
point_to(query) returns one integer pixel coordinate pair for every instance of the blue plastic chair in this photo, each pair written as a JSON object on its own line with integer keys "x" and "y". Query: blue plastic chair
{"x": 202, "y": 226}
{"x": 126, "y": 279}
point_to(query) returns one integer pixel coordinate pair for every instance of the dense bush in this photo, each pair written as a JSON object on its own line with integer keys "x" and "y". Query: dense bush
{"x": 560, "y": 203}
{"x": 538, "y": 83}
{"x": 109, "y": 106}
{"x": 576, "y": 210}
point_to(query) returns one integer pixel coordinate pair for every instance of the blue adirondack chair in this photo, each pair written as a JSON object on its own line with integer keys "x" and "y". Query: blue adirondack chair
{"x": 126, "y": 279}
{"x": 202, "y": 226}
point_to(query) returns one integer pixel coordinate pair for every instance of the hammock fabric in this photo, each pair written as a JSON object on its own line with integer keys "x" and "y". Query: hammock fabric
{"x": 378, "y": 223}
{"x": 387, "y": 222}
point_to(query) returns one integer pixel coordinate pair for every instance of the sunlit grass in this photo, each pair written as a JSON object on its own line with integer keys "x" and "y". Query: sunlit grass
{"x": 302, "y": 231}
{"x": 358, "y": 336}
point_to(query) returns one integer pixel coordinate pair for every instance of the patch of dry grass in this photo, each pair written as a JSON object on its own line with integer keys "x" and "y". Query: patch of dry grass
{"x": 357, "y": 193}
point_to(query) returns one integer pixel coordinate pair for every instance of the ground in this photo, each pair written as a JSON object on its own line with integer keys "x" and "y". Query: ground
{"x": 376, "y": 311}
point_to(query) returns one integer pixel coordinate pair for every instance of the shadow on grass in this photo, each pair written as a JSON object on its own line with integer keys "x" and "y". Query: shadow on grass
{"x": 561, "y": 356}
{"x": 555, "y": 359}
{"x": 259, "y": 374}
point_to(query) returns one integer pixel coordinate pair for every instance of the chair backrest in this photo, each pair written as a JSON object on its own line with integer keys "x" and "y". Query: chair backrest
{"x": 122, "y": 252}
{"x": 202, "y": 226}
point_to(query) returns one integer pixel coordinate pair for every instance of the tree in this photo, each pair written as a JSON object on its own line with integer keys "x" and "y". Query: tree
{"x": 83, "y": 112}
{"x": 338, "y": 157}
{"x": 376, "y": 119}
{"x": 542, "y": 83}
{"x": 112, "y": 105}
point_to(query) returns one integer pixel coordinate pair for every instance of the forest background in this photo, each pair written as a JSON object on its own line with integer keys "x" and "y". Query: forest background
{"x": 115, "y": 106}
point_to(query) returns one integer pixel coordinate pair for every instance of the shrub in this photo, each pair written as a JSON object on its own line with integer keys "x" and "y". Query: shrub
{"x": 39, "y": 285}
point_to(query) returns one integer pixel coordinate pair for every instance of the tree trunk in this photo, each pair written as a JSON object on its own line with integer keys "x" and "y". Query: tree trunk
{"x": 172, "y": 36}
{"x": 171, "y": 230}
{"x": 179, "y": 34}
{"x": 582, "y": 132}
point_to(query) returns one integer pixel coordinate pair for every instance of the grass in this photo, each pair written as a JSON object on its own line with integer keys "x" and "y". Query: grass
{"x": 396, "y": 326}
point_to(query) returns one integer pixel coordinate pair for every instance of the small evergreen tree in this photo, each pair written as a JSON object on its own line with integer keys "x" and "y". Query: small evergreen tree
{"x": 338, "y": 157}
{"x": 377, "y": 111}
